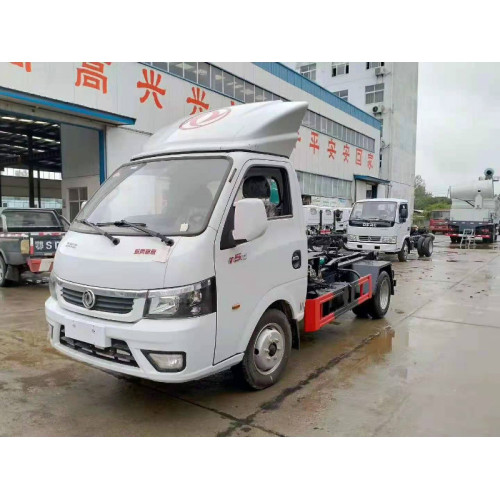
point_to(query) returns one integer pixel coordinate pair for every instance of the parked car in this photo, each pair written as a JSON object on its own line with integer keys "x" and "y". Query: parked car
{"x": 29, "y": 238}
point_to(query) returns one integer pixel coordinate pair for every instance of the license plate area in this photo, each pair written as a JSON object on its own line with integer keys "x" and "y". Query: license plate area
{"x": 85, "y": 332}
{"x": 45, "y": 245}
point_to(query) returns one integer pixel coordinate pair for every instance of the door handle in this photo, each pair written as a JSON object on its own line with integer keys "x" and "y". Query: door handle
{"x": 297, "y": 259}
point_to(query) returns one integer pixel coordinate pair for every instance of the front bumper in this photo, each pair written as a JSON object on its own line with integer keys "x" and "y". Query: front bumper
{"x": 375, "y": 247}
{"x": 193, "y": 336}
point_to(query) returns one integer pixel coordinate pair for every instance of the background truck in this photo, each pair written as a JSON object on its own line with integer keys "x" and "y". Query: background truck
{"x": 439, "y": 222}
{"x": 29, "y": 239}
{"x": 475, "y": 209}
{"x": 182, "y": 266}
{"x": 342, "y": 219}
{"x": 383, "y": 225}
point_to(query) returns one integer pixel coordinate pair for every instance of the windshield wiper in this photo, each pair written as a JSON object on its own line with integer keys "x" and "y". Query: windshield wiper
{"x": 140, "y": 226}
{"x": 111, "y": 238}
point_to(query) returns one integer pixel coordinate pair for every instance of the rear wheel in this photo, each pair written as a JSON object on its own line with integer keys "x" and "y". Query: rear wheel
{"x": 428, "y": 246}
{"x": 3, "y": 272}
{"x": 267, "y": 353}
{"x": 378, "y": 305}
{"x": 419, "y": 246}
{"x": 403, "y": 253}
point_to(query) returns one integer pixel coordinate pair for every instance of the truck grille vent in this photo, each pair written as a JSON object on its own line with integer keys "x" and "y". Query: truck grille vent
{"x": 119, "y": 351}
{"x": 373, "y": 239}
{"x": 104, "y": 303}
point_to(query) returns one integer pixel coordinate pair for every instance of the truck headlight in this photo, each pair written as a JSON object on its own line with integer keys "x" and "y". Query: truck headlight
{"x": 182, "y": 302}
{"x": 389, "y": 239}
{"x": 53, "y": 285}
{"x": 352, "y": 237}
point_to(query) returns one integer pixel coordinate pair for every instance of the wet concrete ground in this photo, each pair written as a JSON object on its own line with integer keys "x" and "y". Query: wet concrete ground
{"x": 430, "y": 368}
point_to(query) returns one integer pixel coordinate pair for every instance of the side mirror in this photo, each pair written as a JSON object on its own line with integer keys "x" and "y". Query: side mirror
{"x": 250, "y": 219}
{"x": 403, "y": 213}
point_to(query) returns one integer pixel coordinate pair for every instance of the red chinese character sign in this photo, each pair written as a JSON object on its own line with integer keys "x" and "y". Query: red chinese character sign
{"x": 25, "y": 65}
{"x": 370, "y": 160}
{"x": 314, "y": 144}
{"x": 151, "y": 86}
{"x": 332, "y": 151}
{"x": 346, "y": 153}
{"x": 359, "y": 156}
{"x": 204, "y": 119}
{"x": 91, "y": 75}
{"x": 198, "y": 100}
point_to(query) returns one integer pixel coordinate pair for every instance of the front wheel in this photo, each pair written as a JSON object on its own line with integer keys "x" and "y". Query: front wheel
{"x": 378, "y": 305}
{"x": 403, "y": 253}
{"x": 267, "y": 353}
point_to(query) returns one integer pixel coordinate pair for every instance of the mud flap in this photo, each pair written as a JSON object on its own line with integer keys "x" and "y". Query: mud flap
{"x": 12, "y": 273}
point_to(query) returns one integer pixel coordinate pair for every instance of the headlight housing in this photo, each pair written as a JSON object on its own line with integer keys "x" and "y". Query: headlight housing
{"x": 183, "y": 302}
{"x": 352, "y": 237}
{"x": 53, "y": 285}
{"x": 389, "y": 239}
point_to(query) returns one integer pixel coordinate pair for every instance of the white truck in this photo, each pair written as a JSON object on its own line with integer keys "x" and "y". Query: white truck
{"x": 383, "y": 225}
{"x": 342, "y": 219}
{"x": 180, "y": 266}
{"x": 475, "y": 210}
{"x": 312, "y": 218}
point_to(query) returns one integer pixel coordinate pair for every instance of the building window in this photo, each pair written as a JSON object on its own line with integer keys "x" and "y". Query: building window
{"x": 309, "y": 71}
{"x": 76, "y": 197}
{"x": 343, "y": 94}
{"x": 374, "y": 93}
{"x": 374, "y": 65}
{"x": 340, "y": 68}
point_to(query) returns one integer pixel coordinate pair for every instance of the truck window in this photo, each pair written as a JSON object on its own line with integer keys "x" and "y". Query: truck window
{"x": 31, "y": 220}
{"x": 173, "y": 197}
{"x": 271, "y": 186}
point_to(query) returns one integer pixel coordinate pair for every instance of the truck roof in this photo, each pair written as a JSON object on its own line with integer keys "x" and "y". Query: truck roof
{"x": 3, "y": 209}
{"x": 267, "y": 127}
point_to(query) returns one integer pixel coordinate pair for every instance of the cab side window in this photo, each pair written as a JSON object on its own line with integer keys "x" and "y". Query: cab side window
{"x": 271, "y": 186}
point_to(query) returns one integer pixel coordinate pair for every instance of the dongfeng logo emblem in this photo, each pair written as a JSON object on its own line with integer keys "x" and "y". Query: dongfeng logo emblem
{"x": 88, "y": 299}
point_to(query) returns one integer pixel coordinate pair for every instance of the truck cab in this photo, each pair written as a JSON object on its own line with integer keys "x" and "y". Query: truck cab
{"x": 381, "y": 225}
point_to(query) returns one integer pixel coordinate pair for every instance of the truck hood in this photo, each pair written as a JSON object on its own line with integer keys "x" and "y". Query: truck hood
{"x": 137, "y": 263}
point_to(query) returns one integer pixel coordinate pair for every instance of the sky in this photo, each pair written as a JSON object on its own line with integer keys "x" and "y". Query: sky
{"x": 458, "y": 124}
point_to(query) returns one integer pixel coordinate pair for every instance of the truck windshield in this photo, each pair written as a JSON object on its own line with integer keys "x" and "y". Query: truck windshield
{"x": 171, "y": 197}
{"x": 31, "y": 220}
{"x": 374, "y": 211}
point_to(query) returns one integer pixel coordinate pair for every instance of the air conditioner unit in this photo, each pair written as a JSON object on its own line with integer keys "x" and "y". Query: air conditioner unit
{"x": 378, "y": 109}
{"x": 381, "y": 70}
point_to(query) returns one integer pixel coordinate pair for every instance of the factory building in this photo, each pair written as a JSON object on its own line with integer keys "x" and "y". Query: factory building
{"x": 65, "y": 127}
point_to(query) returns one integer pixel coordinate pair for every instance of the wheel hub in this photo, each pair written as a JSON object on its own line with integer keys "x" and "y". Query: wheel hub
{"x": 269, "y": 349}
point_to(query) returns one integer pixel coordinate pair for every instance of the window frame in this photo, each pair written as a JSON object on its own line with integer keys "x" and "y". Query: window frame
{"x": 337, "y": 65}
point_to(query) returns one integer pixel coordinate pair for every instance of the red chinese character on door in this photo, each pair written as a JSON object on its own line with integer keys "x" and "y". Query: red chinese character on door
{"x": 359, "y": 156}
{"x": 25, "y": 65}
{"x": 332, "y": 151}
{"x": 314, "y": 144}
{"x": 91, "y": 75}
{"x": 197, "y": 100}
{"x": 370, "y": 160}
{"x": 346, "y": 153}
{"x": 152, "y": 87}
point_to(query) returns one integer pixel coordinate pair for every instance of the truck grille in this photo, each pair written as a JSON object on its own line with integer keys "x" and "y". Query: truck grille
{"x": 373, "y": 239}
{"x": 119, "y": 351}
{"x": 104, "y": 303}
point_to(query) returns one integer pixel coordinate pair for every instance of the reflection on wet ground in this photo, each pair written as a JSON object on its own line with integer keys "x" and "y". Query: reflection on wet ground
{"x": 428, "y": 368}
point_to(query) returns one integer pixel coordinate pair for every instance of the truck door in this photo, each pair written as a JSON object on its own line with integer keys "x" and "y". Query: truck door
{"x": 247, "y": 272}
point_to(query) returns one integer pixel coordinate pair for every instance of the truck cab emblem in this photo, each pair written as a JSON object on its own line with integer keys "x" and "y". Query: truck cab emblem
{"x": 88, "y": 299}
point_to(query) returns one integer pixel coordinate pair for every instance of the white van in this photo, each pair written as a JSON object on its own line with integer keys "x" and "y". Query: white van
{"x": 181, "y": 266}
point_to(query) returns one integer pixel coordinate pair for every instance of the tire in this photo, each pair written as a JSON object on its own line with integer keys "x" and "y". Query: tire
{"x": 428, "y": 246}
{"x": 257, "y": 369}
{"x": 379, "y": 304}
{"x": 403, "y": 253}
{"x": 419, "y": 246}
{"x": 3, "y": 272}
